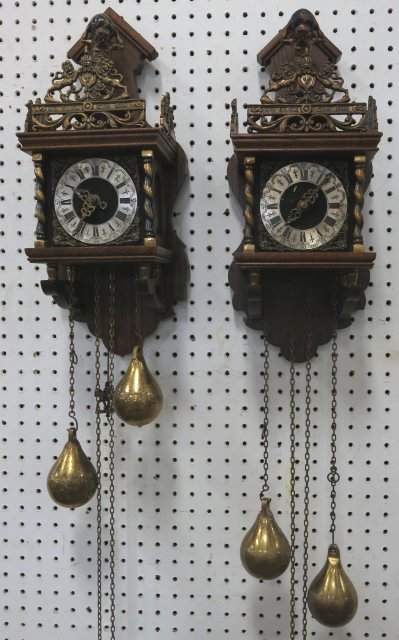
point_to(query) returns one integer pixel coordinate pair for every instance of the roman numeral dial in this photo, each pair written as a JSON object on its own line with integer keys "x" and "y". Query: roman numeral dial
{"x": 303, "y": 206}
{"x": 95, "y": 201}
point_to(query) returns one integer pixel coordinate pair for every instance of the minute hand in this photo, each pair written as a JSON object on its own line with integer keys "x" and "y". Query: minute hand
{"x": 303, "y": 204}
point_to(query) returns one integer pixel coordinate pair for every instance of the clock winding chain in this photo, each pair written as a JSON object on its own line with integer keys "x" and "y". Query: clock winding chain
{"x": 293, "y": 579}
{"x": 98, "y": 449}
{"x": 308, "y": 390}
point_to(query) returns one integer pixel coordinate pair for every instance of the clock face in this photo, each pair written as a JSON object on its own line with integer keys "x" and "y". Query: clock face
{"x": 303, "y": 205}
{"x": 95, "y": 201}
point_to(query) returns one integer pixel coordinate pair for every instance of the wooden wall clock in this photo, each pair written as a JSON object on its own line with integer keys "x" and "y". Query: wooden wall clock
{"x": 299, "y": 173}
{"x": 105, "y": 185}
{"x": 106, "y": 181}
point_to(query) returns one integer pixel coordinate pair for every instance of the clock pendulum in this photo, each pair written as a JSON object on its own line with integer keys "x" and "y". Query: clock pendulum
{"x": 105, "y": 186}
{"x": 299, "y": 274}
{"x": 72, "y": 480}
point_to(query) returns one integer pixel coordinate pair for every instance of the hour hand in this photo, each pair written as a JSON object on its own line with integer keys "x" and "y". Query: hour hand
{"x": 303, "y": 204}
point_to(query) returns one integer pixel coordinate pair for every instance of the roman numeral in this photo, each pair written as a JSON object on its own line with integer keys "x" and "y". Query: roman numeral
{"x": 122, "y": 216}
{"x": 322, "y": 179}
{"x": 330, "y": 221}
{"x": 95, "y": 231}
{"x": 287, "y": 232}
{"x": 330, "y": 190}
{"x": 110, "y": 173}
{"x": 334, "y": 205}
{"x": 287, "y": 177}
{"x": 96, "y": 169}
{"x": 64, "y": 202}
{"x": 119, "y": 186}
{"x": 272, "y": 205}
{"x": 304, "y": 174}
{"x": 274, "y": 189}
{"x": 274, "y": 221}
{"x": 302, "y": 236}
{"x": 111, "y": 227}
{"x": 69, "y": 216}
{"x": 80, "y": 173}
{"x": 124, "y": 200}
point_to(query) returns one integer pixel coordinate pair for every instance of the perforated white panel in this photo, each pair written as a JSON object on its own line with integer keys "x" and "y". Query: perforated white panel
{"x": 187, "y": 486}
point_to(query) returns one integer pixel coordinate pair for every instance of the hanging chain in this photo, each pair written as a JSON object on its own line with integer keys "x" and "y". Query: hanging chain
{"x": 308, "y": 391}
{"x": 138, "y": 327}
{"x": 292, "y": 466}
{"x": 110, "y": 417}
{"x": 265, "y": 425}
{"x": 333, "y": 476}
{"x": 72, "y": 353}
{"x": 98, "y": 449}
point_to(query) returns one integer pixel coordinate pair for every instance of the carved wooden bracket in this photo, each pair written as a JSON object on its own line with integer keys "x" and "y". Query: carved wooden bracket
{"x": 148, "y": 272}
{"x": 274, "y": 288}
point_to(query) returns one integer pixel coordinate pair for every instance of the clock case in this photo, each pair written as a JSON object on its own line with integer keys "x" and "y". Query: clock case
{"x": 94, "y": 109}
{"x": 305, "y": 114}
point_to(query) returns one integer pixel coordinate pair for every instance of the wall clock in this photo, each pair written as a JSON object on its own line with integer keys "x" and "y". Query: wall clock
{"x": 105, "y": 185}
{"x": 301, "y": 270}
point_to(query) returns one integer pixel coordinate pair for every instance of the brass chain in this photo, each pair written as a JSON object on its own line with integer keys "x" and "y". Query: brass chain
{"x": 110, "y": 417}
{"x": 308, "y": 390}
{"x": 138, "y": 327}
{"x": 292, "y": 469}
{"x": 265, "y": 425}
{"x": 98, "y": 449}
{"x": 72, "y": 353}
{"x": 333, "y": 476}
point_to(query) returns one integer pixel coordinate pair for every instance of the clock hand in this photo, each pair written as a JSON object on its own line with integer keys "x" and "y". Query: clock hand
{"x": 303, "y": 204}
{"x": 90, "y": 203}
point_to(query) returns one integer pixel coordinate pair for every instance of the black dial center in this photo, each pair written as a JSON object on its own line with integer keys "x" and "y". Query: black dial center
{"x": 303, "y": 205}
{"x": 95, "y": 200}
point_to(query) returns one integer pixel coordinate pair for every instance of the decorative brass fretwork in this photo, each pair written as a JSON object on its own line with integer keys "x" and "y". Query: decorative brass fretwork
{"x": 360, "y": 165}
{"x": 298, "y": 118}
{"x": 85, "y": 115}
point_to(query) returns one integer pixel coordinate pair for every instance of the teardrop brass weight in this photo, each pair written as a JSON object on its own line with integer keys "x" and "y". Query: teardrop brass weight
{"x": 72, "y": 480}
{"x": 332, "y": 598}
{"x": 138, "y": 397}
{"x": 265, "y": 551}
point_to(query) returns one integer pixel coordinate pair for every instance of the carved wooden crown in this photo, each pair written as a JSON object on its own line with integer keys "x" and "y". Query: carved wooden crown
{"x": 305, "y": 92}
{"x": 95, "y": 94}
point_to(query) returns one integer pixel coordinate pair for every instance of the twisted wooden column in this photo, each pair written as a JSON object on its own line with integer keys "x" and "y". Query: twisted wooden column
{"x": 40, "y": 233}
{"x": 149, "y": 235}
{"x": 360, "y": 164}
{"x": 249, "y": 164}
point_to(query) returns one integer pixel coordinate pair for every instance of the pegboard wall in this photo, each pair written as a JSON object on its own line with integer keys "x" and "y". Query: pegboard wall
{"x": 188, "y": 485}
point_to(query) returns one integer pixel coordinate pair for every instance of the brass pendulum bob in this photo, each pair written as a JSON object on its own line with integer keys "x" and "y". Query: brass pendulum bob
{"x": 332, "y": 598}
{"x": 72, "y": 480}
{"x": 265, "y": 551}
{"x": 138, "y": 397}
